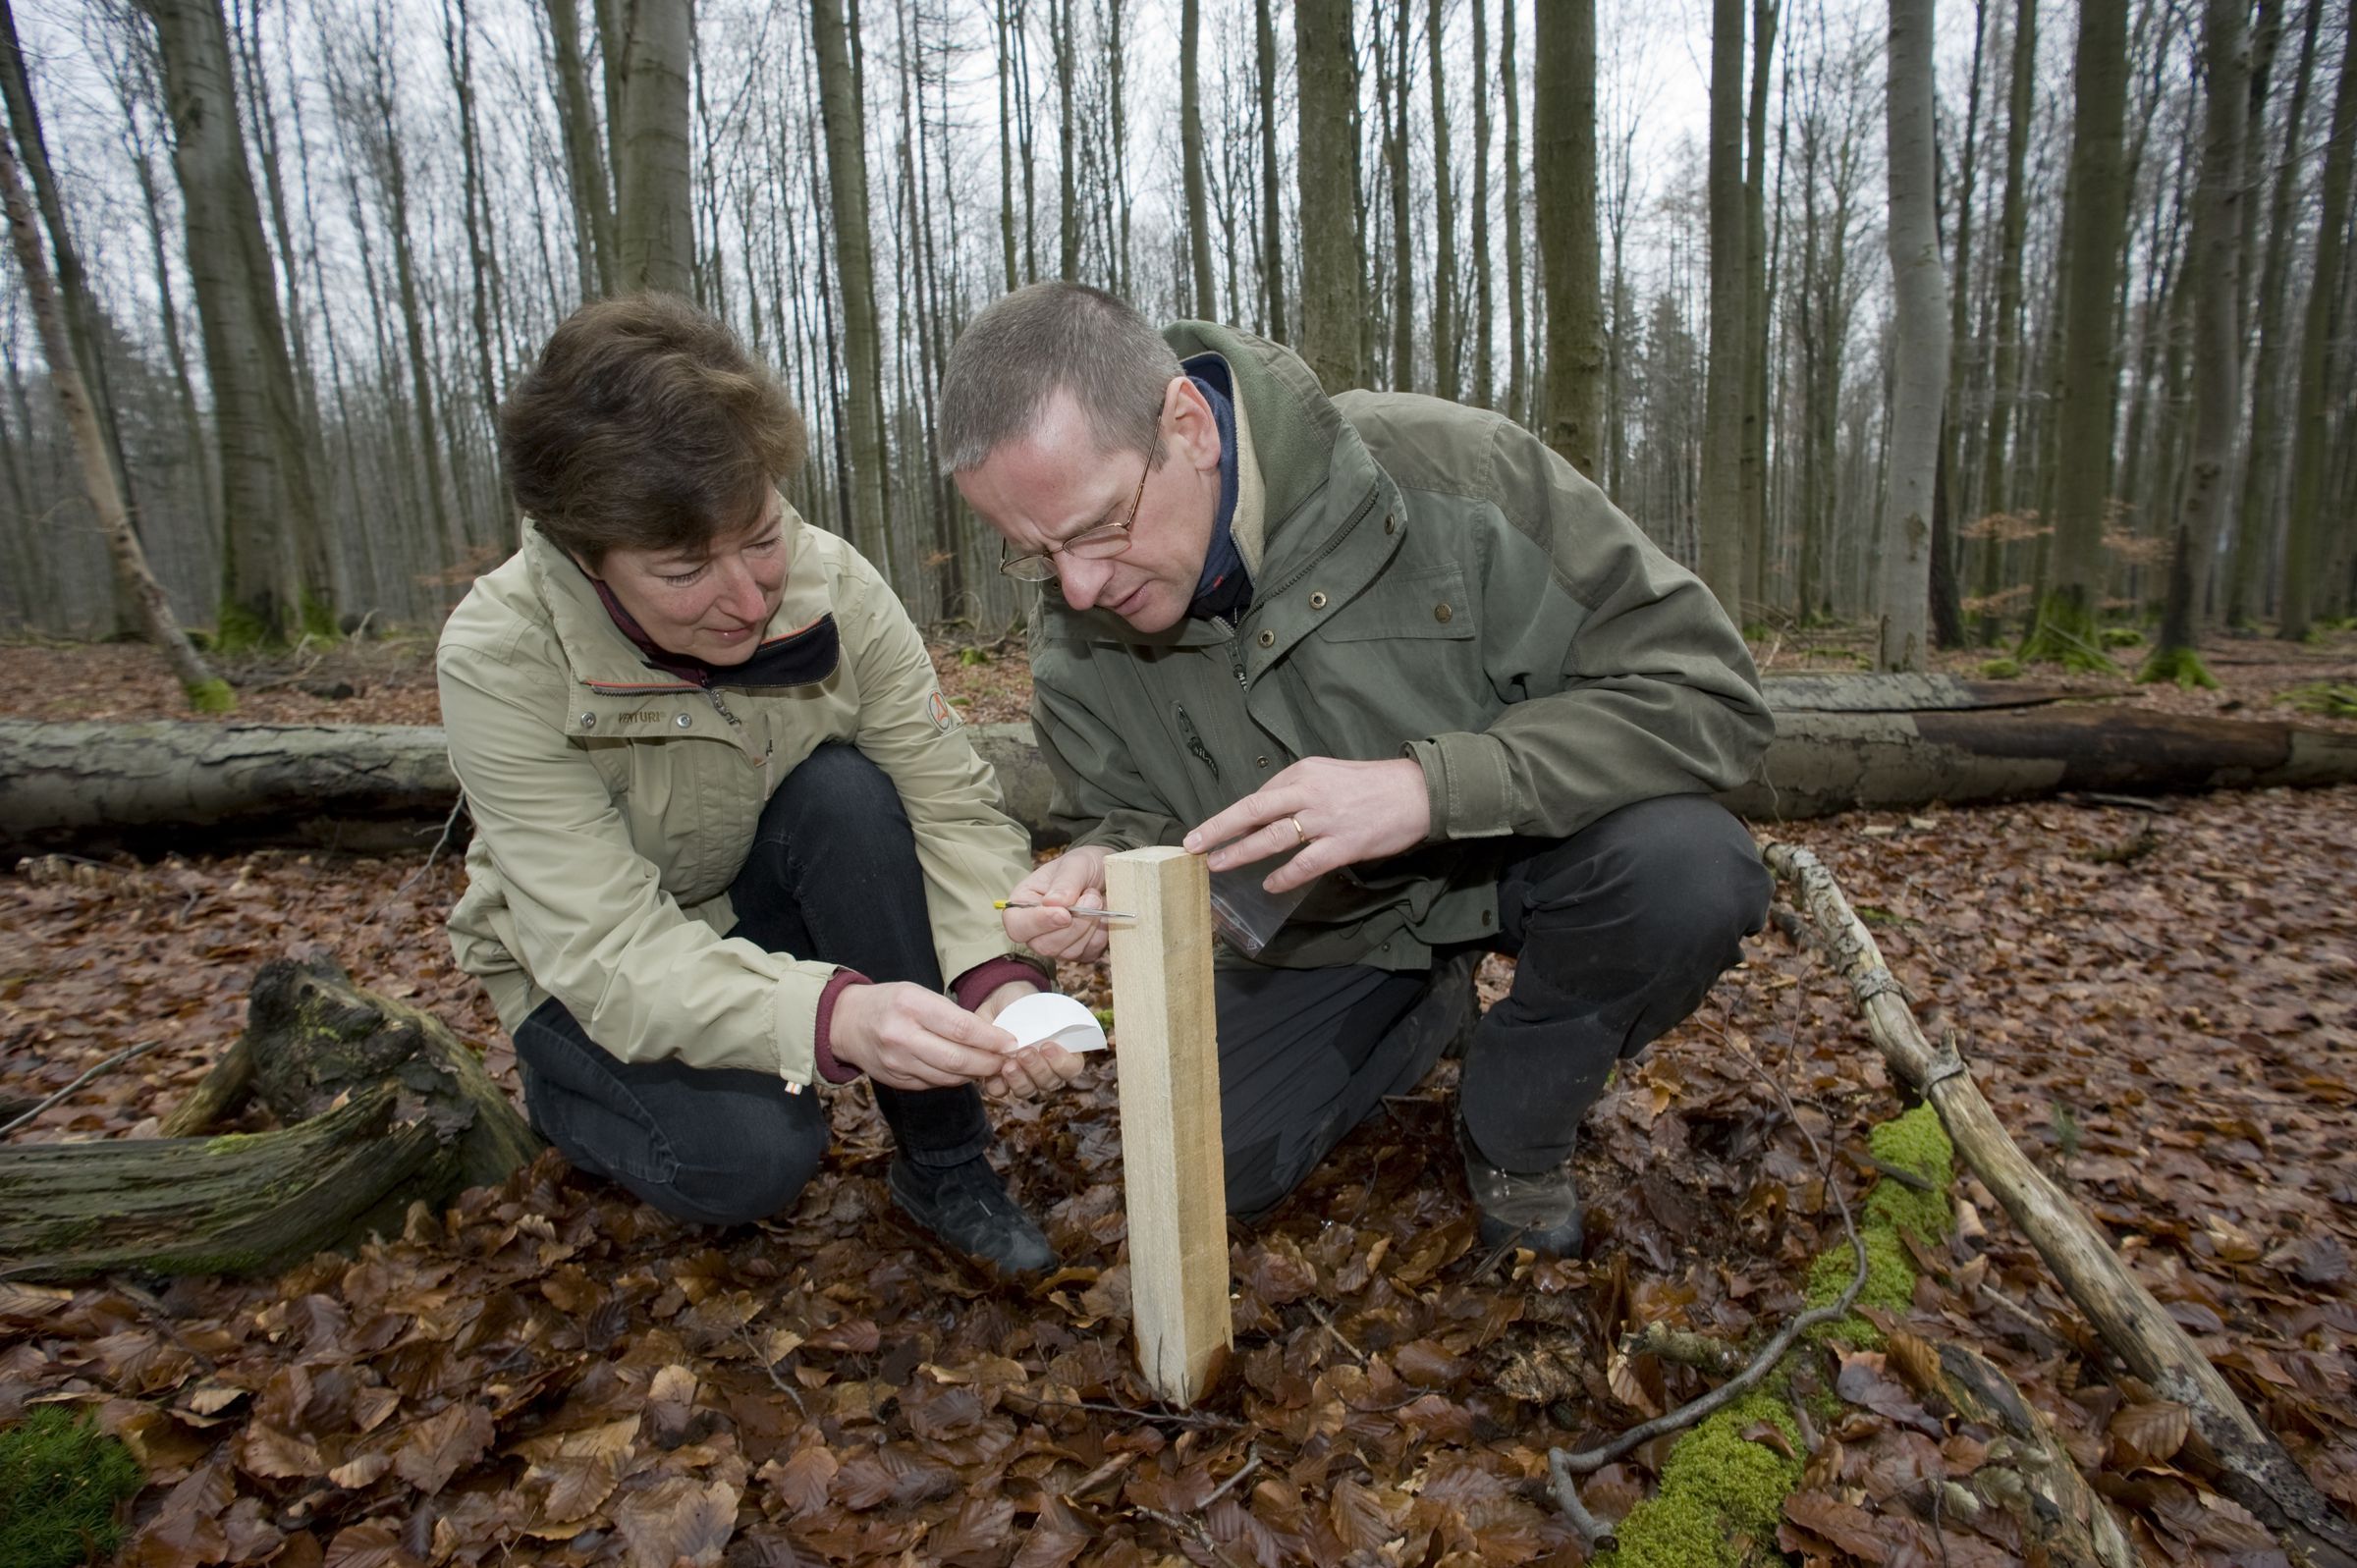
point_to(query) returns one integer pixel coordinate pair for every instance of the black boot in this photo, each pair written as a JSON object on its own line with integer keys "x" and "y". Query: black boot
{"x": 1540, "y": 1209}
{"x": 967, "y": 1210}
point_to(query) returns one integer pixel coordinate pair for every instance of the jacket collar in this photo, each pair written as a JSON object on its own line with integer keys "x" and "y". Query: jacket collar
{"x": 800, "y": 646}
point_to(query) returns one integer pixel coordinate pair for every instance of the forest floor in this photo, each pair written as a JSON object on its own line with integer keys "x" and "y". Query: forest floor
{"x": 2160, "y": 1003}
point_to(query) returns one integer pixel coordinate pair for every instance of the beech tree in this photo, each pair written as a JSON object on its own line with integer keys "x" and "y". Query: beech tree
{"x": 1721, "y": 503}
{"x": 1564, "y": 169}
{"x": 1920, "y": 348}
{"x": 1324, "y": 62}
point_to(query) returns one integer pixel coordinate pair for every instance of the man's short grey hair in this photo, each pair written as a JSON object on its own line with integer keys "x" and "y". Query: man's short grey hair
{"x": 1013, "y": 359}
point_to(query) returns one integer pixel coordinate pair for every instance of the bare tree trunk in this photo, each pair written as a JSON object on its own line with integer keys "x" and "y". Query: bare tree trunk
{"x": 1271, "y": 208}
{"x": 2310, "y": 434}
{"x": 2270, "y": 439}
{"x": 1067, "y": 256}
{"x": 1006, "y": 57}
{"x": 1395, "y": 159}
{"x": 1564, "y": 176}
{"x": 1947, "y": 612}
{"x": 1485, "y": 360}
{"x": 206, "y": 691}
{"x": 1755, "y": 310}
{"x": 2005, "y": 327}
{"x": 257, "y": 417}
{"x": 1721, "y": 498}
{"x": 1518, "y": 353}
{"x": 1444, "y": 220}
{"x": 2217, "y": 283}
{"x": 458, "y": 47}
{"x": 2095, "y": 215}
{"x": 847, "y": 179}
{"x": 1327, "y": 68}
{"x": 653, "y": 221}
{"x": 1190, "y": 136}
{"x": 584, "y": 154}
{"x": 1920, "y": 348}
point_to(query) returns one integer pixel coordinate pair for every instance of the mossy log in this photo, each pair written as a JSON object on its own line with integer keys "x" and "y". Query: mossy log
{"x": 2027, "y": 1473}
{"x": 382, "y": 1104}
{"x": 2245, "y": 1460}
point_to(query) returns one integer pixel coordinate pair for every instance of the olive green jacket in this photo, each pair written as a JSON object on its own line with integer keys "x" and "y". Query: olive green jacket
{"x": 1428, "y": 580}
{"x": 614, "y": 803}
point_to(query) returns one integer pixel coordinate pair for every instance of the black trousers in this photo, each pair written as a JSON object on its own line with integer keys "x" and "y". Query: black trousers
{"x": 1618, "y": 932}
{"x": 833, "y": 876}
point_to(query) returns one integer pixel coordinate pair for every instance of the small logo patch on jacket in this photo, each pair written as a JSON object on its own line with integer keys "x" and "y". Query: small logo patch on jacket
{"x": 1194, "y": 741}
{"x": 945, "y": 718}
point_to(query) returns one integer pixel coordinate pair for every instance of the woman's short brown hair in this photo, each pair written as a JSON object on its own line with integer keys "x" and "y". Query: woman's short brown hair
{"x": 645, "y": 425}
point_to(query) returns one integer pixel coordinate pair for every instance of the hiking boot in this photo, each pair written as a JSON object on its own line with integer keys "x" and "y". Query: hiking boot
{"x": 1540, "y": 1209}
{"x": 967, "y": 1210}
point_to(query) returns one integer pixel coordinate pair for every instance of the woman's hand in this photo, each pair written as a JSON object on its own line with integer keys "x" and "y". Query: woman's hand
{"x": 1076, "y": 877}
{"x": 1033, "y": 1069}
{"x": 911, "y": 1038}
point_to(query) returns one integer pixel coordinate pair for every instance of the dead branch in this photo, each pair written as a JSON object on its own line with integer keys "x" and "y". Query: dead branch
{"x": 127, "y": 1054}
{"x": 2249, "y": 1464}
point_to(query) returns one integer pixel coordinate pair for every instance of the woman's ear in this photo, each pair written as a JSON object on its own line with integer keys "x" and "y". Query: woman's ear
{"x": 588, "y": 571}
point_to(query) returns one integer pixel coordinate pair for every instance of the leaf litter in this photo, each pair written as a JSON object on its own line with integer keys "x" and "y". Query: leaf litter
{"x": 549, "y": 1371}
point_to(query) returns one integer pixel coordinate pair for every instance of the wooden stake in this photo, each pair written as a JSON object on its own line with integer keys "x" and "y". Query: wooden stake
{"x": 1171, "y": 1167}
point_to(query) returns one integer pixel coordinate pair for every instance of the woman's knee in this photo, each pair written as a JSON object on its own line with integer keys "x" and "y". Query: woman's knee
{"x": 755, "y": 1186}
{"x": 835, "y": 787}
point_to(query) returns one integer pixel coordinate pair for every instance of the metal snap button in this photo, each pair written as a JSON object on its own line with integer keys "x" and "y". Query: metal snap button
{"x": 1261, "y": 761}
{"x": 1268, "y": 639}
{"x": 685, "y": 719}
{"x": 1317, "y": 601}
{"x": 1389, "y": 524}
{"x": 1441, "y": 613}
{"x": 588, "y": 721}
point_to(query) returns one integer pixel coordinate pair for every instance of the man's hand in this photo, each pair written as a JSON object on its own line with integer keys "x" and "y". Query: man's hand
{"x": 1336, "y": 813}
{"x": 1076, "y": 877}
{"x": 911, "y": 1038}
{"x": 1033, "y": 1069}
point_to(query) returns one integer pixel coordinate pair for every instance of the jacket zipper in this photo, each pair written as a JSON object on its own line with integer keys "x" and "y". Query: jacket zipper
{"x": 737, "y": 725}
{"x": 1332, "y": 543}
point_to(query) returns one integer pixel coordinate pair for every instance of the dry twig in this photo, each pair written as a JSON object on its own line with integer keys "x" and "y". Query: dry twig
{"x": 127, "y": 1054}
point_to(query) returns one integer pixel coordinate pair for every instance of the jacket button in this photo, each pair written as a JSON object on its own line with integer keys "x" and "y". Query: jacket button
{"x": 1390, "y": 524}
{"x": 1317, "y": 601}
{"x": 1485, "y": 920}
{"x": 588, "y": 721}
{"x": 685, "y": 719}
{"x": 1441, "y": 613}
{"x": 1268, "y": 639}
{"x": 1261, "y": 761}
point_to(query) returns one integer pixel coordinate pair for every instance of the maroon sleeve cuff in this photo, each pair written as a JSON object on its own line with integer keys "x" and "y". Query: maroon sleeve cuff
{"x": 988, "y": 975}
{"x": 822, "y": 1053}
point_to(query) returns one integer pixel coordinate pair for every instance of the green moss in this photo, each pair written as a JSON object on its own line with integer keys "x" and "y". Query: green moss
{"x": 2121, "y": 637}
{"x": 211, "y": 696}
{"x": 242, "y": 629}
{"x": 230, "y": 1143}
{"x": 2065, "y": 632}
{"x": 1917, "y": 1142}
{"x": 61, "y": 1482}
{"x": 973, "y": 656}
{"x": 1720, "y": 1494}
{"x": 2002, "y": 669}
{"x": 2176, "y": 667}
{"x": 1890, "y": 1278}
{"x": 319, "y": 620}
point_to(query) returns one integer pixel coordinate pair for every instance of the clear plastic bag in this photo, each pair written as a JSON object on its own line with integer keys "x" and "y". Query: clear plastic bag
{"x": 1245, "y": 913}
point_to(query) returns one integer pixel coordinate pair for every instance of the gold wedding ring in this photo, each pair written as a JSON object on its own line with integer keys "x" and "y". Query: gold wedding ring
{"x": 1299, "y": 831}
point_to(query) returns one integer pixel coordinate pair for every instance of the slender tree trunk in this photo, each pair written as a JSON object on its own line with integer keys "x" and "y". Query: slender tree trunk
{"x": 458, "y": 47}
{"x": 2096, "y": 212}
{"x": 1327, "y": 67}
{"x": 2216, "y": 286}
{"x": 200, "y": 457}
{"x": 2311, "y": 432}
{"x": 1006, "y": 149}
{"x": 206, "y": 691}
{"x": 1563, "y": 172}
{"x": 1921, "y": 348}
{"x": 1947, "y": 612}
{"x": 2005, "y": 330}
{"x": 1443, "y": 219}
{"x": 1191, "y": 135}
{"x": 1067, "y": 256}
{"x": 1485, "y": 376}
{"x": 654, "y": 223}
{"x": 847, "y": 179}
{"x": 1722, "y": 498}
{"x": 2269, "y": 442}
{"x": 1403, "y": 242}
{"x": 257, "y": 417}
{"x": 1754, "y": 473}
{"x": 1517, "y": 332}
{"x": 1272, "y": 207}
{"x": 585, "y": 154}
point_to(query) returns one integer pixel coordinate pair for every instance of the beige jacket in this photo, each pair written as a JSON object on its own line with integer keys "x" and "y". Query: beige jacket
{"x": 614, "y": 803}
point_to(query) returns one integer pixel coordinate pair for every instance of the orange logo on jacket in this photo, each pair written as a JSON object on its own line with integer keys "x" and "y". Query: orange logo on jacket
{"x": 945, "y": 717}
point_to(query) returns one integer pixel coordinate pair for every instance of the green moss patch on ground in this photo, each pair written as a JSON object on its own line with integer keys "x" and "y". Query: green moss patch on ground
{"x": 61, "y": 1484}
{"x": 1723, "y": 1493}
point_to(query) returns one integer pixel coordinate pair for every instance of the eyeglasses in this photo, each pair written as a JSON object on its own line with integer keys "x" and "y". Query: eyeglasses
{"x": 1100, "y": 543}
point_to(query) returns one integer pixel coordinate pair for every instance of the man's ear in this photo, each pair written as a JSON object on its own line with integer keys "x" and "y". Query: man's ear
{"x": 1194, "y": 432}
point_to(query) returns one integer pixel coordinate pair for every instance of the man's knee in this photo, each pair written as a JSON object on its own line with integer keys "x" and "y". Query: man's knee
{"x": 1680, "y": 875}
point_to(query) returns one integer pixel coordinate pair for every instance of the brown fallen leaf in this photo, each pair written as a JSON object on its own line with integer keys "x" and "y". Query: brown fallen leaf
{"x": 675, "y": 1520}
{"x": 443, "y": 1444}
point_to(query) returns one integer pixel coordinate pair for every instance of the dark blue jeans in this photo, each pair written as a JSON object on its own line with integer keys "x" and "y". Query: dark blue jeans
{"x": 1619, "y": 930}
{"x": 833, "y": 876}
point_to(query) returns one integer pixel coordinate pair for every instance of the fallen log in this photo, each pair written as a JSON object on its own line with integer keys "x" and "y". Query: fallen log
{"x": 156, "y": 786}
{"x": 382, "y": 1107}
{"x": 2244, "y": 1459}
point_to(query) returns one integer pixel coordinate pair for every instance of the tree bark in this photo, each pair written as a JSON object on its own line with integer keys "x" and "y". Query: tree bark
{"x": 1754, "y": 464}
{"x": 206, "y": 691}
{"x": 2311, "y": 432}
{"x": 1484, "y": 372}
{"x": 1517, "y": 332}
{"x": 2249, "y": 1464}
{"x": 1445, "y": 330}
{"x": 383, "y": 1108}
{"x": 2095, "y": 219}
{"x": 1190, "y": 140}
{"x": 1272, "y": 210}
{"x": 655, "y": 228}
{"x": 595, "y": 242}
{"x": 1721, "y": 504}
{"x": 1920, "y": 345}
{"x": 1564, "y": 173}
{"x": 1326, "y": 66}
{"x": 2216, "y": 280}
{"x": 854, "y": 267}
{"x": 1403, "y": 244}
{"x": 2004, "y": 326}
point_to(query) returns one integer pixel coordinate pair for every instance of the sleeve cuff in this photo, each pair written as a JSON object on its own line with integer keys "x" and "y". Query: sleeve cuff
{"x": 1467, "y": 784}
{"x": 822, "y": 1053}
{"x": 988, "y": 975}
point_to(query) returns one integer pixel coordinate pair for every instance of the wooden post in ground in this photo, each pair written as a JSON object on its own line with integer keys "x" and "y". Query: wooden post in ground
{"x": 1169, "y": 1075}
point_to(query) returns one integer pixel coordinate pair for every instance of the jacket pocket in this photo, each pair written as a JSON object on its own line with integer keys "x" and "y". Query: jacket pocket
{"x": 1429, "y": 601}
